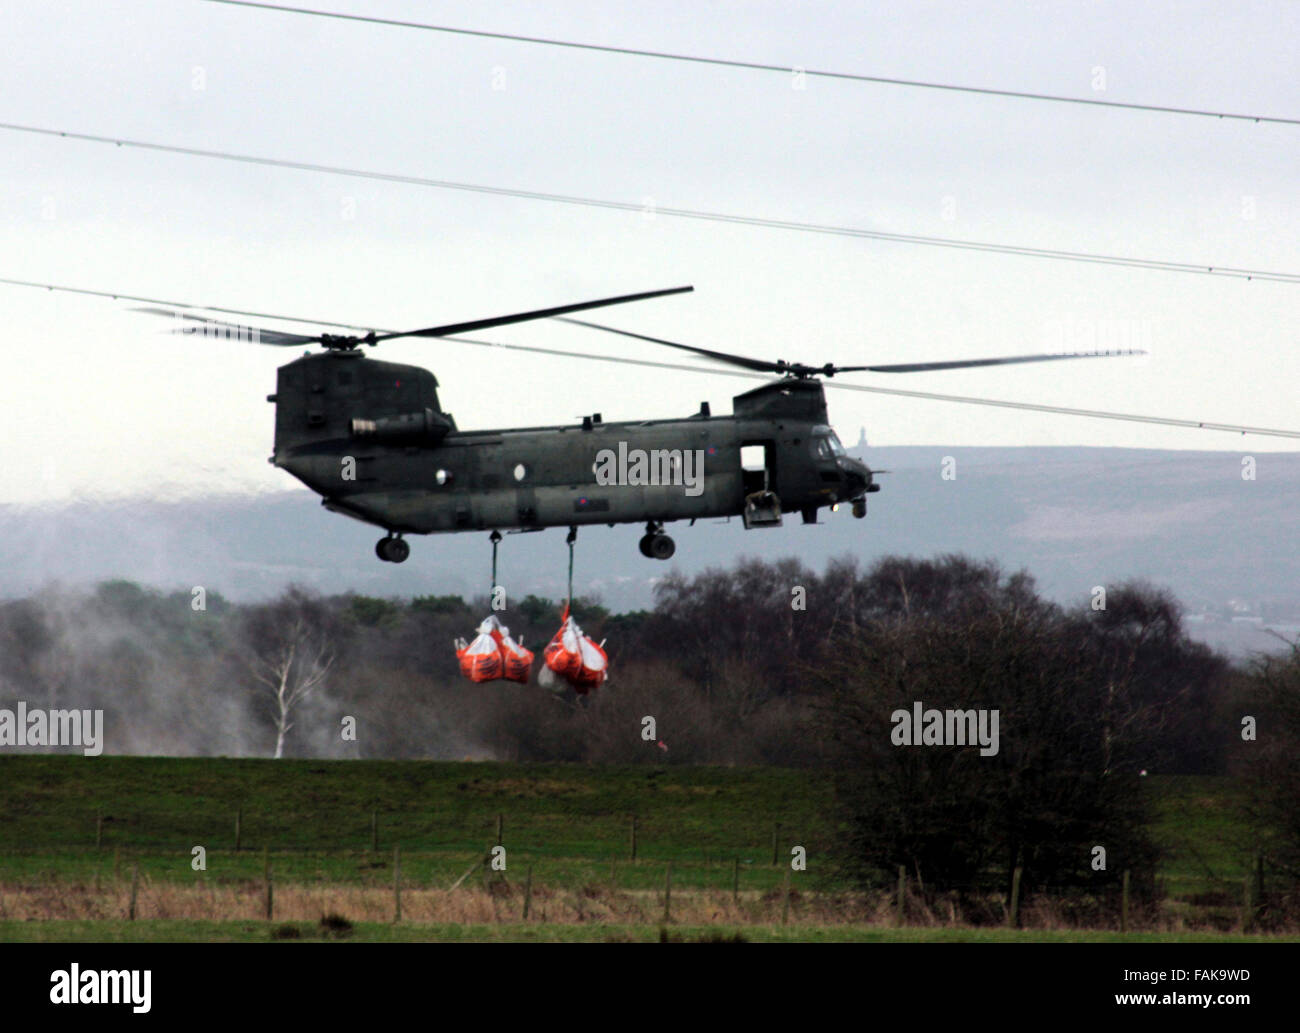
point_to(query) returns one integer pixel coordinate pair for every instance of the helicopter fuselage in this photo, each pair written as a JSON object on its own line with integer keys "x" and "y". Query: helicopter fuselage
{"x": 371, "y": 439}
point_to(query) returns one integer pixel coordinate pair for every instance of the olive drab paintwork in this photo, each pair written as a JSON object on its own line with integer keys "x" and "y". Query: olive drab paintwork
{"x": 370, "y": 437}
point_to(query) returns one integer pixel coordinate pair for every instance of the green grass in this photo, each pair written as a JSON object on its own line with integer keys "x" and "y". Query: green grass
{"x": 570, "y": 823}
{"x": 1202, "y": 826}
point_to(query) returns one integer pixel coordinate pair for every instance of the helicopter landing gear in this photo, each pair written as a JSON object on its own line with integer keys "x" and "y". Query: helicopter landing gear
{"x": 859, "y": 508}
{"x": 655, "y": 544}
{"x": 392, "y": 550}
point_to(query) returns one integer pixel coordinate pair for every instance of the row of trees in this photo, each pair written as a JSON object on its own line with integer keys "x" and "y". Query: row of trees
{"x": 763, "y": 663}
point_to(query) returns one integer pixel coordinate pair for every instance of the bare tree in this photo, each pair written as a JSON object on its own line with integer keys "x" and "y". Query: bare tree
{"x": 289, "y": 647}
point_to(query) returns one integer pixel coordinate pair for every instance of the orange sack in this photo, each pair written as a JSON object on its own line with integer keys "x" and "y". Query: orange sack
{"x": 493, "y": 654}
{"x": 517, "y": 662}
{"x": 575, "y": 658}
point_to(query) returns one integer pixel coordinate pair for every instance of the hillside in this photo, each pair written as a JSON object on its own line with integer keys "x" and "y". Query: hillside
{"x": 1074, "y": 517}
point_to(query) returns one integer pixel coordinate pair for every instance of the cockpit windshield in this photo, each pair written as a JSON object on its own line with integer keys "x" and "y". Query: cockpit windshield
{"x": 825, "y": 444}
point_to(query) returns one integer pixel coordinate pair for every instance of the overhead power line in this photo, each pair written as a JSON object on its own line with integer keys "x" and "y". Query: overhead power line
{"x": 681, "y": 213}
{"x": 759, "y": 66}
{"x": 652, "y": 364}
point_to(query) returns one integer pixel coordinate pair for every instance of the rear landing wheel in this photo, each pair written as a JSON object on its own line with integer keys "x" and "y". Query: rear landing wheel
{"x": 645, "y": 545}
{"x": 661, "y": 547}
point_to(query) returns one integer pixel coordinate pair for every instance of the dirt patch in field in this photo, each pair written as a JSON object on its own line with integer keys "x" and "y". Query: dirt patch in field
{"x": 531, "y": 788}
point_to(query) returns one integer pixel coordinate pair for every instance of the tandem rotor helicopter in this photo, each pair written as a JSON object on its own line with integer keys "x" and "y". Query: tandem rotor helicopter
{"x": 371, "y": 439}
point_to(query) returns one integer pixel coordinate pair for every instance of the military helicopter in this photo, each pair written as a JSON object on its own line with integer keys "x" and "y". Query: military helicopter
{"x": 372, "y": 440}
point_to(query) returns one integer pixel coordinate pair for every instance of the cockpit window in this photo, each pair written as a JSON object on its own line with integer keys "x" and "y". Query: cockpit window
{"x": 825, "y": 444}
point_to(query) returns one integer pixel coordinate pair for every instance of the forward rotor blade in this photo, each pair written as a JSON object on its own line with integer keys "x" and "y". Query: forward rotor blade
{"x": 223, "y": 328}
{"x": 522, "y": 317}
{"x": 1006, "y": 360}
{"x": 743, "y": 361}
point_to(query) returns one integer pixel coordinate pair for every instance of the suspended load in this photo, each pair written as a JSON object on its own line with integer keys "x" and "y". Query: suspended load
{"x": 517, "y": 662}
{"x": 481, "y": 659}
{"x": 573, "y": 658}
{"x": 494, "y": 654}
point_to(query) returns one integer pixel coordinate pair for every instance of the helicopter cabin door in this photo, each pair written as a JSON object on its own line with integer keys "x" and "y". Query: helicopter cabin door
{"x": 758, "y": 475}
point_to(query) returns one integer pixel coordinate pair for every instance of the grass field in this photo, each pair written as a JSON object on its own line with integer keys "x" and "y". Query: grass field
{"x": 328, "y": 832}
{"x": 316, "y": 818}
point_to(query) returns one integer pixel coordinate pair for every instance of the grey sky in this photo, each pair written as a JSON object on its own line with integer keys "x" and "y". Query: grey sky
{"x": 98, "y": 402}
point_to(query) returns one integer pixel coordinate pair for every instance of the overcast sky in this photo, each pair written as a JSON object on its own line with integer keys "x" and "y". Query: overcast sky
{"x": 96, "y": 401}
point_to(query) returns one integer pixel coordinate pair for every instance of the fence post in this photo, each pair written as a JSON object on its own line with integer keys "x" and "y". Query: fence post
{"x": 374, "y": 830}
{"x": 634, "y": 839}
{"x": 1123, "y": 903}
{"x": 135, "y": 889}
{"x": 99, "y": 831}
{"x": 500, "y": 822}
{"x": 785, "y": 905}
{"x": 239, "y": 822}
{"x": 735, "y": 880}
{"x": 1014, "y": 916}
{"x": 528, "y": 891}
{"x": 270, "y": 894}
{"x": 776, "y": 833}
{"x": 902, "y": 895}
{"x": 397, "y": 883}
{"x": 668, "y": 893}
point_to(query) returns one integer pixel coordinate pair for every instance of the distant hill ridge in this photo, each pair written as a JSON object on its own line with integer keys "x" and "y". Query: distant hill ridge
{"x": 1074, "y": 517}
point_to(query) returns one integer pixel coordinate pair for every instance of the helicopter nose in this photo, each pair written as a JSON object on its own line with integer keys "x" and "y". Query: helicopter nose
{"x": 857, "y": 477}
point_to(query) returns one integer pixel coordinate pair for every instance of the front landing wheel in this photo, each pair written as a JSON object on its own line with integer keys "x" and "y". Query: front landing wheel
{"x": 392, "y": 550}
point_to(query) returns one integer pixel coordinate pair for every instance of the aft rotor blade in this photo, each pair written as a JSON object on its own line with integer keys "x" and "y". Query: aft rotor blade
{"x": 762, "y": 366}
{"x": 523, "y": 317}
{"x": 743, "y": 361}
{"x": 1097, "y": 414}
{"x": 241, "y": 331}
{"x": 1006, "y": 360}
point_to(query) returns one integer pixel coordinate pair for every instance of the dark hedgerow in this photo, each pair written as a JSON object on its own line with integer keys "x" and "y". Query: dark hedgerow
{"x": 1075, "y": 731}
